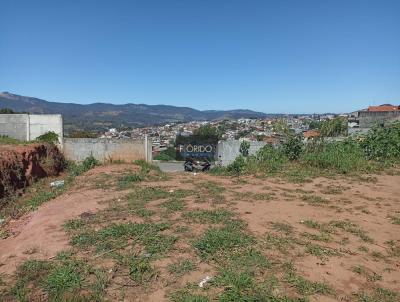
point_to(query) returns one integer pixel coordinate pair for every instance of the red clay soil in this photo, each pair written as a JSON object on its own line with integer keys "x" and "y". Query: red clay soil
{"x": 21, "y": 165}
{"x": 40, "y": 234}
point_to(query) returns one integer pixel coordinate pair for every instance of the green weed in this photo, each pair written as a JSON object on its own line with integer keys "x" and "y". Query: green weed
{"x": 182, "y": 267}
{"x": 208, "y": 216}
{"x": 217, "y": 240}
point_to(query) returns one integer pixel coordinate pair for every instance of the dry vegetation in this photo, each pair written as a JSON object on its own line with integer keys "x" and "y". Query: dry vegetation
{"x": 132, "y": 233}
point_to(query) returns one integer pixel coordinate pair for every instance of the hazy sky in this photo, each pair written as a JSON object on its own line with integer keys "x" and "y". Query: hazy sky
{"x": 271, "y": 56}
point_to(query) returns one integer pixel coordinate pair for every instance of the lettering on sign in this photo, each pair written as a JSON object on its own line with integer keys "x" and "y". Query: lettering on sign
{"x": 196, "y": 151}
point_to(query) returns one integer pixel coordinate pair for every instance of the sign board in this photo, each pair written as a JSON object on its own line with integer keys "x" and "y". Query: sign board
{"x": 196, "y": 151}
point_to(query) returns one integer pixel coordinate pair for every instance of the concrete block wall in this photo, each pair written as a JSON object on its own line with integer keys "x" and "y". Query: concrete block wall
{"x": 42, "y": 123}
{"x": 227, "y": 151}
{"x": 28, "y": 127}
{"x": 368, "y": 119}
{"x": 14, "y": 125}
{"x": 103, "y": 149}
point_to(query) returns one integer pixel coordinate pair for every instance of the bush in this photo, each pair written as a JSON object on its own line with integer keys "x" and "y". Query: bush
{"x": 166, "y": 155}
{"x": 382, "y": 143}
{"x": 271, "y": 159}
{"x": 77, "y": 169}
{"x": 89, "y": 163}
{"x": 244, "y": 148}
{"x": 293, "y": 147}
{"x": 48, "y": 137}
{"x": 238, "y": 165}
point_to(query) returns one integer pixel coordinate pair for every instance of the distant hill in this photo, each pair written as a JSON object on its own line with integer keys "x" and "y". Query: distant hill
{"x": 101, "y": 116}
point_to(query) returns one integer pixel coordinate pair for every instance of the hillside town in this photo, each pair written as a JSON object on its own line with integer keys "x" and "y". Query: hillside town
{"x": 268, "y": 130}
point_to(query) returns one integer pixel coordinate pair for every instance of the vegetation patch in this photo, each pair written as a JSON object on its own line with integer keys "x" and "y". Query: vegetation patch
{"x": 299, "y": 161}
{"x": 140, "y": 270}
{"x": 344, "y": 225}
{"x": 66, "y": 279}
{"x": 173, "y": 205}
{"x": 117, "y": 236}
{"x": 314, "y": 199}
{"x": 182, "y": 267}
{"x": 127, "y": 180}
{"x": 378, "y": 295}
{"x": 208, "y": 216}
{"x": 219, "y": 240}
{"x": 304, "y": 286}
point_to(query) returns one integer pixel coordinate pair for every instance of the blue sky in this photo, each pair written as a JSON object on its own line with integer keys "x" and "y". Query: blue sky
{"x": 272, "y": 56}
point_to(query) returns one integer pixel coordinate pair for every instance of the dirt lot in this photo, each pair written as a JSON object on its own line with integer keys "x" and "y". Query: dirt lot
{"x": 125, "y": 233}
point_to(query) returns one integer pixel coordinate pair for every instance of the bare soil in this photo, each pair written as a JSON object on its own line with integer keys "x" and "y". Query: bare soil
{"x": 339, "y": 232}
{"x": 22, "y": 165}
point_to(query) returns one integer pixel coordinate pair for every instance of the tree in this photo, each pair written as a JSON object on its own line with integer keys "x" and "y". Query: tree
{"x": 206, "y": 131}
{"x": 6, "y": 111}
{"x": 282, "y": 128}
{"x": 315, "y": 125}
{"x": 82, "y": 134}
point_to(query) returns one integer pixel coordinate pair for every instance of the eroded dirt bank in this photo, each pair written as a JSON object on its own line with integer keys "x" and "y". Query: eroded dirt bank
{"x": 20, "y": 166}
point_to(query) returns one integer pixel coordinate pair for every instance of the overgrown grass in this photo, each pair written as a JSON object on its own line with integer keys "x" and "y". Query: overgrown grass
{"x": 173, "y": 205}
{"x": 6, "y": 140}
{"x": 117, "y": 236}
{"x": 218, "y": 240}
{"x": 65, "y": 279}
{"x": 127, "y": 180}
{"x": 141, "y": 270}
{"x": 298, "y": 161}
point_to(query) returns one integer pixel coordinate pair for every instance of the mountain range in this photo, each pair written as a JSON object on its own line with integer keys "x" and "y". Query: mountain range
{"x": 101, "y": 116}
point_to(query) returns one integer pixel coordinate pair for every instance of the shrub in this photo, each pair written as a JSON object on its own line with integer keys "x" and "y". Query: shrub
{"x": 166, "y": 155}
{"x": 48, "y": 137}
{"x": 238, "y": 165}
{"x": 77, "y": 169}
{"x": 334, "y": 127}
{"x": 89, "y": 163}
{"x": 293, "y": 147}
{"x": 244, "y": 148}
{"x": 382, "y": 142}
{"x": 271, "y": 159}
